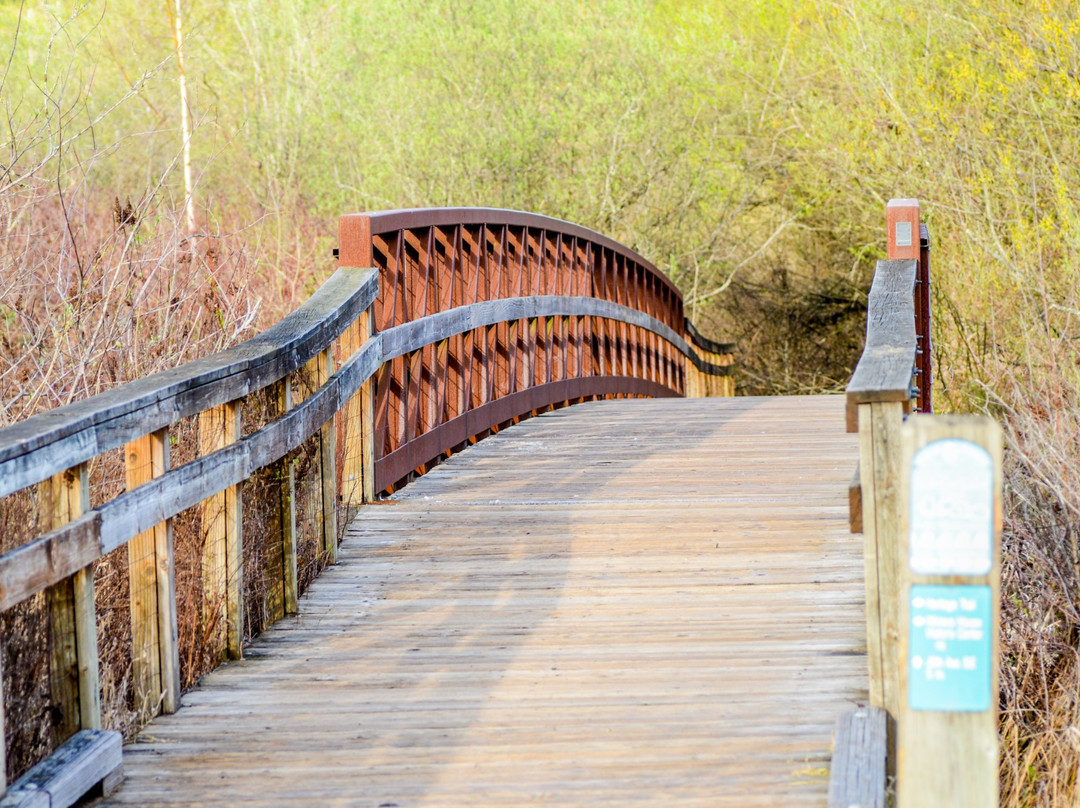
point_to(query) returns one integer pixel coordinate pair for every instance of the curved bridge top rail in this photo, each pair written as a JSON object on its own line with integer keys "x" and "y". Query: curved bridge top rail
{"x": 608, "y": 314}
{"x": 482, "y": 316}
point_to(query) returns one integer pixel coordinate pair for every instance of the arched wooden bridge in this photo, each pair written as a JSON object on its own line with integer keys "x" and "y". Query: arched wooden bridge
{"x": 564, "y": 565}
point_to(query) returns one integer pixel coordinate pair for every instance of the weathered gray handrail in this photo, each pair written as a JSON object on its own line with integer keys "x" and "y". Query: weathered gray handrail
{"x": 51, "y": 442}
{"x": 698, "y": 340}
{"x": 885, "y": 368}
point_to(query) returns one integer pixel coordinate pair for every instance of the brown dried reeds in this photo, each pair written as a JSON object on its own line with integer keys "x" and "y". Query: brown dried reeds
{"x": 1040, "y": 672}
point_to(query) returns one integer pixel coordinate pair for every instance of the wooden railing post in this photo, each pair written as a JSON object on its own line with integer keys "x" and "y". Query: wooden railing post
{"x": 281, "y": 569}
{"x": 3, "y": 736}
{"x": 320, "y": 369}
{"x": 359, "y": 473}
{"x": 73, "y": 656}
{"x": 152, "y": 581}
{"x": 947, "y": 725}
{"x": 223, "y": 566}
{"x": 905, "y": 240}
{"x": 879, "y": 468}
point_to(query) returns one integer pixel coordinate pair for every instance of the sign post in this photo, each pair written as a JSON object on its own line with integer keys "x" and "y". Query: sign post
{"x": 947, "y": 741}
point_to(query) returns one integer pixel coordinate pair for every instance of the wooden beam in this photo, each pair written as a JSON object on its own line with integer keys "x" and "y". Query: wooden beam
{"x": 321, "y": 368}
{"x": 857, "y": 777}
{"x": 885, "y": 367}
{"x": 3, "y": 735}
{"x": 73, "y": 656}
{"x": 414, "y": 335}
{"x": 223, "y": 611}
{"x": 48, "y": 559}
{"x": 879, "y": 466}
{"x": 367, "y": 414}
{"x": 155, "y": 655}
{"x": 351, "y": 431}
{"x": 90, "y": 761}
{"x": 947, "y": 729}
{"x": 281, "y": 560}
{"x": 44, "y": 445}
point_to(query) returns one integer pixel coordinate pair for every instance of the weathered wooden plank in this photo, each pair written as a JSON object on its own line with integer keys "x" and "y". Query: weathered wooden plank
{"x": 879, "y": 467}
{"x": 412, "y": 336}
{"x": 857, "y": 775}
{"x": 885, "y": 367}
{"x": 324, "y": 368}
{"x": 155, "y": 653}
{"x": 29, "y": 569}
{"x": 59, "y": 554}
{"x": 352, "y": 474}
{"x": 281, "y": 569}
{"x": 47, "y": 444}
{"x": 367, "y": 415}
{"x": 90, "y": 760}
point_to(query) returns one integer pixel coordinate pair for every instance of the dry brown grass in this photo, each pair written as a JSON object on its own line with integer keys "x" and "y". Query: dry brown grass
{"x": 1040, "y": 694}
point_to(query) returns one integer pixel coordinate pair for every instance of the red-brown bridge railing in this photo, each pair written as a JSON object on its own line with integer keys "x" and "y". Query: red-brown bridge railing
{"x": 520, "y": 312}
{"x": 470, "y": 319}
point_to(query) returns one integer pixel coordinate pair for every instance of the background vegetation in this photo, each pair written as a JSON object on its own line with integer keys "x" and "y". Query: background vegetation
{"x": 748, "y": 149}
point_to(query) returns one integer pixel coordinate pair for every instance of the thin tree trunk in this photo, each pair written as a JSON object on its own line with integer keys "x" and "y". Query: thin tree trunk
{"x": 185, "y": 123}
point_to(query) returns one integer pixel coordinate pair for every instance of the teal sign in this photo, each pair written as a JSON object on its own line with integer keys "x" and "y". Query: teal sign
{"x": 949, "y": 648}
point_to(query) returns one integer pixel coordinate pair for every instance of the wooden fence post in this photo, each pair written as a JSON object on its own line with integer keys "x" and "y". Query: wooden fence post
{"x": 319, "y": 370}
{"x": 223, "y": 566}
{"x": 947, "y": 726}
{"x": 879, "y": 469}
{"x": 152, "y": 581}
{"x": 281, "y": 563}
{"x": 73, "y": 655}
{"x": 359, "y": 473}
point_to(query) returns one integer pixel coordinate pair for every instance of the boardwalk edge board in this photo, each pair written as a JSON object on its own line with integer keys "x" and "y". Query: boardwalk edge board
{"x": 89, "y": 760}
{"x": 857, "y": 776}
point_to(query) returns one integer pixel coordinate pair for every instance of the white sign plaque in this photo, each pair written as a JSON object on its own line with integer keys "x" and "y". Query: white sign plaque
{"x": 951, "y": 515}
{"x": 903, "y": 234}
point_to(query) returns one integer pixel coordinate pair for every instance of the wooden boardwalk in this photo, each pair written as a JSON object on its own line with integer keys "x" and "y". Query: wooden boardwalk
{"x": 615, "y": 603}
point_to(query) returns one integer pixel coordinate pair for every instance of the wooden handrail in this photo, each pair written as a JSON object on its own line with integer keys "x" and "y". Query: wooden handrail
{"x": 884, "y": 371}
{"x": 49, "y": 443}
{"x": 29, "y": 569}
{"x": 582, "y": 318}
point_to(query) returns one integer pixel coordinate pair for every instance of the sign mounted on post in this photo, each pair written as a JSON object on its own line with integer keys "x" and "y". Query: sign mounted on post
{"x": 951, "y": 519}
{"x": 949, "y": 584}
{"x": 949, "y": 648}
